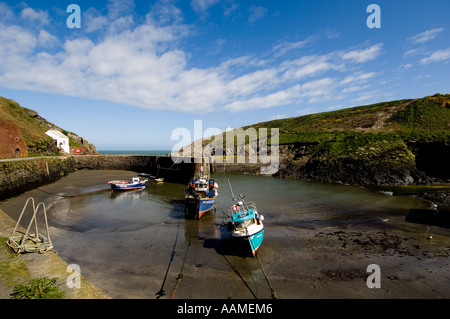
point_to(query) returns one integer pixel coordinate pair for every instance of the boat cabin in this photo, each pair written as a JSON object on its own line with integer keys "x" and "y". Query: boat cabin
{"x": 201, "y": 185}
{"x": 243, "y": 219}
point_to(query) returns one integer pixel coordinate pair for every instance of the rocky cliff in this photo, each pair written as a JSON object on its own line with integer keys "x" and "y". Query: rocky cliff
{"x": 399, "y": 142}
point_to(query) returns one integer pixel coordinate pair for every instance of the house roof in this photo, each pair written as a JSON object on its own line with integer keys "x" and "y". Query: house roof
{"x": 55, "y": 133}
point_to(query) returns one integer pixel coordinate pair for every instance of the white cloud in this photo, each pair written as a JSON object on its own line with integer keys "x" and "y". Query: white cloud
{"x": 119, "y": 16}
{"x": 143, "y": 65}
{"x": 282, "y": 97}
{"x": 425, "y": 36}
{"x": 438, "y": 56}
{"x": 6, "y": 13}
{"x": 46, "y": 39}
{"x": 284, "y": 47}
{"x": 405, "y": 66}
{"x": 251, "y": 82}
{"x": 354, "y": 88}
{"x": 16, "y": 42}
{"x": 35, "y": 16}
{"x": 203, "y": 5}
{"x": 421, "y": 77}
{"x": 365, "y": 97}
{"x": 359, "y": 78}
{"x": 257, "y": 13}
{"x": 313, "y": 91}
{"x": 231, "y": 9}
{"x": 164, "y": 12}
{"x": 278, "y": 117}
{"x": 94, "y": 23}
{"x": 319, "y": 90}
{"x": 306, "y": 111}
{"x": 119, "y": 8}
{"x": 309, "y": 66}
{"x": 364, "y": 55}
{"x": 335, "y": 107}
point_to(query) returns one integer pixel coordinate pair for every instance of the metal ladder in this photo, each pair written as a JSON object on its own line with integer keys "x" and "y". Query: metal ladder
{"x": 26, "y": 242}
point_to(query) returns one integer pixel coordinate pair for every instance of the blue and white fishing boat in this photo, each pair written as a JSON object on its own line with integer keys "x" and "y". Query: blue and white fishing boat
{"x": 200, "y": 197}
{"x": 246, "y": 226}
{"x": 133, "y": 183}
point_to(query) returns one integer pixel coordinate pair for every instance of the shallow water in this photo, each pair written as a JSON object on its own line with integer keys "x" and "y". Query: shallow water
{"x": 132, "y": 244}
{"x": 282, "y": 202}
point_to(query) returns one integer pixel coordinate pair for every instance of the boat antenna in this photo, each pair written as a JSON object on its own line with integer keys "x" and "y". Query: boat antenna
{"x": 232, "y": 194}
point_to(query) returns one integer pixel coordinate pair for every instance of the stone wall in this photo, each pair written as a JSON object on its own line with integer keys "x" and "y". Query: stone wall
{"x": 19, "y": 176}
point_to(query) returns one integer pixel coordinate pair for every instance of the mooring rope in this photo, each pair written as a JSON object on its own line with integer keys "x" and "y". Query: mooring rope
{"x": 272, "y": 291}
{"x": 180, "y": 275}
{"x": 161, "y": 292}
{"x": 166, "y": 170}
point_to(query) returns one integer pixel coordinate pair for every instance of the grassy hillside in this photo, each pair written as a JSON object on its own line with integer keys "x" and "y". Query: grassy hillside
{"x": 422, "y": 119}
{"x": 33, "y": 127}
{"x": 397, "y": 142}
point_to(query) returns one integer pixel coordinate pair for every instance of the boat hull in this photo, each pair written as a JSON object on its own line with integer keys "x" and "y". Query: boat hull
{"x": 124, "y": 187}
{"x": 249, "y": 243}
{"x": 198, "y": 207}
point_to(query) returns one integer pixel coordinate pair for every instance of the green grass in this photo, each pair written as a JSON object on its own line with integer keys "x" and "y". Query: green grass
{"x": 12, "y": 270}
{"x": 424, "y": 119}
{"x": 40, "y": 288}
{"x": 345, "y": 130}
{"x": 380, "y": 131}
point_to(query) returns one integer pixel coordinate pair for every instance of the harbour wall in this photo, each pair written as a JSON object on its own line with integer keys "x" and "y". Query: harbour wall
{"x": 18, "y": 176}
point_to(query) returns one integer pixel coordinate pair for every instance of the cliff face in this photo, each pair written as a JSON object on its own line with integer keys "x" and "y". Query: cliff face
{"x": 380, "y": 163}
{"x": 22, "y": 133}
{"x": 399, "y": 142}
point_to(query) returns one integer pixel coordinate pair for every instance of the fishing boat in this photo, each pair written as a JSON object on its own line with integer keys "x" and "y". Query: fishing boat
{"x": 133, "y": 183}
{"x": 200, "y": 197}
{"x": 246, "y": 226}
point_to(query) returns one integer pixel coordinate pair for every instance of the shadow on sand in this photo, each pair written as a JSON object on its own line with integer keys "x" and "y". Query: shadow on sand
{"x": 428, "y": 217}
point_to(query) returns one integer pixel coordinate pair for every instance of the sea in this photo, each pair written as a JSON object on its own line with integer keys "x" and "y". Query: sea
{"x": 134, "y": 152}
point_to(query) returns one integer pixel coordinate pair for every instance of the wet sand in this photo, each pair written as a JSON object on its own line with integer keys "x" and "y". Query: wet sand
{"x": 324, "y": 262}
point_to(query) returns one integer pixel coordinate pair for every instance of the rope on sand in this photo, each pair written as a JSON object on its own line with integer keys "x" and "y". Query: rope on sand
{"x": 180, "y": 275}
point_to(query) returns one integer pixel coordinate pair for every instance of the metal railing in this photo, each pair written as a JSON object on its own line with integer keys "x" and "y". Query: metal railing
{"x": 27, "y": 242}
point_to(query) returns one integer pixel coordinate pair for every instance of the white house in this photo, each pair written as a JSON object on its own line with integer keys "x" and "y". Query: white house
{"x": 62, "y": 141}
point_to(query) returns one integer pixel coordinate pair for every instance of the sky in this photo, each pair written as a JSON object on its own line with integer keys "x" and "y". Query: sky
{"x": 132, "y": 72}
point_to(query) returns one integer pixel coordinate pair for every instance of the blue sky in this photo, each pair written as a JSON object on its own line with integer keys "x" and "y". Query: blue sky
{"x": 137, "y": 70}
